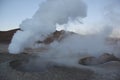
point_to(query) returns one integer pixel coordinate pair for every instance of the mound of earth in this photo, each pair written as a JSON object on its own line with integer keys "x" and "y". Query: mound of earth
{"x": 104, "y": 58}
{"x": 57, "y": 35}
{"x": 6, "y": 36}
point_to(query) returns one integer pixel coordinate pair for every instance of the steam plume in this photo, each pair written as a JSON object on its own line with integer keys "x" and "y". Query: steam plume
{"x": 67, "y": 14}
{"x": 43, "y": 22}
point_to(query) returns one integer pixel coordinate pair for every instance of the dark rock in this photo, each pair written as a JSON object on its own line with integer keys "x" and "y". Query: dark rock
{"x": 88, "y": 61}
{"x": 6, "y": 36}
{"x": 106, "y": 57}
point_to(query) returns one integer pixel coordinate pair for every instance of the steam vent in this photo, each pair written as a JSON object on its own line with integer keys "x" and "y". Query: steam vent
{"x": 60, "y": 40}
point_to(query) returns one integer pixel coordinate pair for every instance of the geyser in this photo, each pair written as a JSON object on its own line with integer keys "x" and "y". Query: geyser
{"x": 71, "y": 47}
{"x": 44, "y": 22}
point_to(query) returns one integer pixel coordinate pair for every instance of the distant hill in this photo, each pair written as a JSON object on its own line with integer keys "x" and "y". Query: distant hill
{"x": 6, "y": 36}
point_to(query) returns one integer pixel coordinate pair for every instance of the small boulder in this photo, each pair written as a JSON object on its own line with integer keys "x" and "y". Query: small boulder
{"x": 88, "y": 61}
{"x": 106, "y": 57}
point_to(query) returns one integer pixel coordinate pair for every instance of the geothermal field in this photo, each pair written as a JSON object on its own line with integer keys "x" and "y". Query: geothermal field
{"x": 57, "y": 44}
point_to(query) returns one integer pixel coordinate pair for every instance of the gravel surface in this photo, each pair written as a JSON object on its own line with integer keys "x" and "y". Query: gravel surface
{"x": 107, "y": 71}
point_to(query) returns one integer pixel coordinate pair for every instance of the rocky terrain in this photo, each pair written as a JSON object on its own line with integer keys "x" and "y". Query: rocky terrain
{"x": 13, "y": 67}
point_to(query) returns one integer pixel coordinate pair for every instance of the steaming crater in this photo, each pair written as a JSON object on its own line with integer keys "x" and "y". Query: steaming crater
{"x": 49, "y": 53}
{"x": 38, "y": 35}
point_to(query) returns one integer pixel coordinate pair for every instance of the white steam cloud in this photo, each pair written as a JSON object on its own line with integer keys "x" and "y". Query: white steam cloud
{"x": 50, "y": 13}
{"x": 65, "y": 15}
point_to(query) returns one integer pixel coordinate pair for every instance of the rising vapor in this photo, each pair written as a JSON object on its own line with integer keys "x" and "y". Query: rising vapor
{"x": 89, "y": 41}
{"x": 44, "y": 22}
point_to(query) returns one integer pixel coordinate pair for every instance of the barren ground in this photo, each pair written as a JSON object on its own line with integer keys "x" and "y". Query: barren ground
{"x": 107, "y": 71}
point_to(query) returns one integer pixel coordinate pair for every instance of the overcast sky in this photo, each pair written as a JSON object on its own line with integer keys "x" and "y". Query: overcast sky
{"x": 13, "y": 12}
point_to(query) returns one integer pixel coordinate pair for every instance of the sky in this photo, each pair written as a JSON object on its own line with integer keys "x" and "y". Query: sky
{"x": 13, "y": 12}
